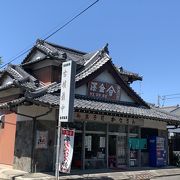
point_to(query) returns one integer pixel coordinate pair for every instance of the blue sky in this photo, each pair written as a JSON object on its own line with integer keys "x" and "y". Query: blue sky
{"x": 143, "y": 35}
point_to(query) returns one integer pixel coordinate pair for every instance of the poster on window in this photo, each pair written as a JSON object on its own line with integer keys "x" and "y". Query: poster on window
{"x": 102, "y": 142}
{"x": 41, "y": 139}
{"x": 66, "y": 150}
{"x": 88, "y": 142}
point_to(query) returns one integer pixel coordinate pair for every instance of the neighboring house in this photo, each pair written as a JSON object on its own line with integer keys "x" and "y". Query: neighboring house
{"x": 109, "y": 119}
{"x": 174, "y": 132}
{"x": 174, "y": 110}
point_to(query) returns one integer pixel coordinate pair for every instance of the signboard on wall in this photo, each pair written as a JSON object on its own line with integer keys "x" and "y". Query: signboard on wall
{"x": 66, "y": 151}
{"x": 41, "y": 139}
{"x": 104, "y": 90}
{"x": 66, "y": 107}
{"x": 107, "y": 118}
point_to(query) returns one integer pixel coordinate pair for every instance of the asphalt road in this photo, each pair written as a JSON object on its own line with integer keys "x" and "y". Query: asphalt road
{"x": 168, "y": 178}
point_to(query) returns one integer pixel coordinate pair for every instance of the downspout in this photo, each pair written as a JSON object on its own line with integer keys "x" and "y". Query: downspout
{"x": 32, "y": 147}
{"x": 33, "y": 133}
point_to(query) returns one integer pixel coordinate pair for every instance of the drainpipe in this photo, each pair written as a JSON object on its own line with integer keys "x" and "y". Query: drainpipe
{"x": 34, "y": 118}
{"x": 32, "y": 147}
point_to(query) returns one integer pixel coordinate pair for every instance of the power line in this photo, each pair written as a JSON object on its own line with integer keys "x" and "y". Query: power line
{"x": 21, "y": 53}
{"x": 71, "y": 20}
{"x": 171, "y": 95}
{"x": 167, "y": 97}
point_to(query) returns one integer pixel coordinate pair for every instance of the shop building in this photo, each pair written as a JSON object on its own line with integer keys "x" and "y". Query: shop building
{"x": 114, "y": 126}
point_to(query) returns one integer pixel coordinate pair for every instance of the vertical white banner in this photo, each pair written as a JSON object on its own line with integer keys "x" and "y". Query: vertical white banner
{"x": 66, "y": 151}
{"x": 66, "y": 107}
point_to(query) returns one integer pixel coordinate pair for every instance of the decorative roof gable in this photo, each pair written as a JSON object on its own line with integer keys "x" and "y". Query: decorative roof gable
{"x": 99, "y": 63}
{"x": 52, "y": 51}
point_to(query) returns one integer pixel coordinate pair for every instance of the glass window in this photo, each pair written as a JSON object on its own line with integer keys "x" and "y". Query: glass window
{"x": 95, "y": 151}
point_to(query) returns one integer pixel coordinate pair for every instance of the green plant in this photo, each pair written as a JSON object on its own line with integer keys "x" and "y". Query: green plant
{"x": 0, "y": 60}
{"x": 176, "y": 160}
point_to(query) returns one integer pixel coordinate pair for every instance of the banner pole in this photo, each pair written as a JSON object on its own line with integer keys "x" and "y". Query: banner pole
{"x": 58, "y": 150}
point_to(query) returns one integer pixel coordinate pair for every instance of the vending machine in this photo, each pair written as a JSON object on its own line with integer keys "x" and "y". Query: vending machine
{"x": 157, "y": 151}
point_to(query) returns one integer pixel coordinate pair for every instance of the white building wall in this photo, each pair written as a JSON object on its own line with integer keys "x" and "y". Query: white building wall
{"x": 125, "y": 97}
{"x": 7, "y": 80}
{"x": 105, "y": 77}
{"x": 37, "y": 55}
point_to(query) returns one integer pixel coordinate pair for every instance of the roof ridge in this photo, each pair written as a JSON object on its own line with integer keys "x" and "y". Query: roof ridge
{"x": 89, "y": 66}
{"x": 63, "y": 47}
{"x": 13, "y": 72}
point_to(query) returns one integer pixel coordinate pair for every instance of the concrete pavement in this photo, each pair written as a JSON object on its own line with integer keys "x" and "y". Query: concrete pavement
{"x": 8, "y": 173}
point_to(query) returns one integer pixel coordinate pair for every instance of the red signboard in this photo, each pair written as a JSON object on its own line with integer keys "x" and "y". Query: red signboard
{"x": 104, "y": 90}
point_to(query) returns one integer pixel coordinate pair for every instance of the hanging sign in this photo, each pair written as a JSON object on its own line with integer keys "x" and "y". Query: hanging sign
{"x": 66, "y": 107}
{"x": 66, "y": 150}
{"x": 104, "y": 90}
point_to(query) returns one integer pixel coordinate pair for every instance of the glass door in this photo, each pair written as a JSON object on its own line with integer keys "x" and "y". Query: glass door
{"x": 112, "y": 151}
{"x": 121, "y": 149}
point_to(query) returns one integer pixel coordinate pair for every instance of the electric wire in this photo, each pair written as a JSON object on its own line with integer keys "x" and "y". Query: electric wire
{"x": 23, "y": 52}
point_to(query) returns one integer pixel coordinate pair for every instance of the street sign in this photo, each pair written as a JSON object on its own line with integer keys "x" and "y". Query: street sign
{"x": 66, "y": 107}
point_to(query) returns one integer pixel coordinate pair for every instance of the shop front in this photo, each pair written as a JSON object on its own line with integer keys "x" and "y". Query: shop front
{"x": 115, "y": 145}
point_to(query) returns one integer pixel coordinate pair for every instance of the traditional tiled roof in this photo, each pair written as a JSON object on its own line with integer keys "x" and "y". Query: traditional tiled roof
{"x": 56, "y": 52}
{"x": 97, "y": 62}
{"x": 54, "y": 87}
{"x": 20, "y": 78}
{"x": 99, "y": 107}
{"x": 134, "y": 76}
{"x": 14, "y": 73}
{"x": 12, "y": 103}
{"x": 170, "y": 108}
{"x": 106, "y": 107}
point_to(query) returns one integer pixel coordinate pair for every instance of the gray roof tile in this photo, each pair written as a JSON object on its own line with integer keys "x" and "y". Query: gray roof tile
{"x": 91, "y": 68}
{"x": 13, "y": 72}
{"x": 14, "y": 102}
{"x": 105, "y": 107}
{"x": 122, "y": 71}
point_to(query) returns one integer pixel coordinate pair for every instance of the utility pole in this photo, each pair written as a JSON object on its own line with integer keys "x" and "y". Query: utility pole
{"x": 167, "y": 97}
{"x": 58, "y": 149}
{"x": 158, "y": 101}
